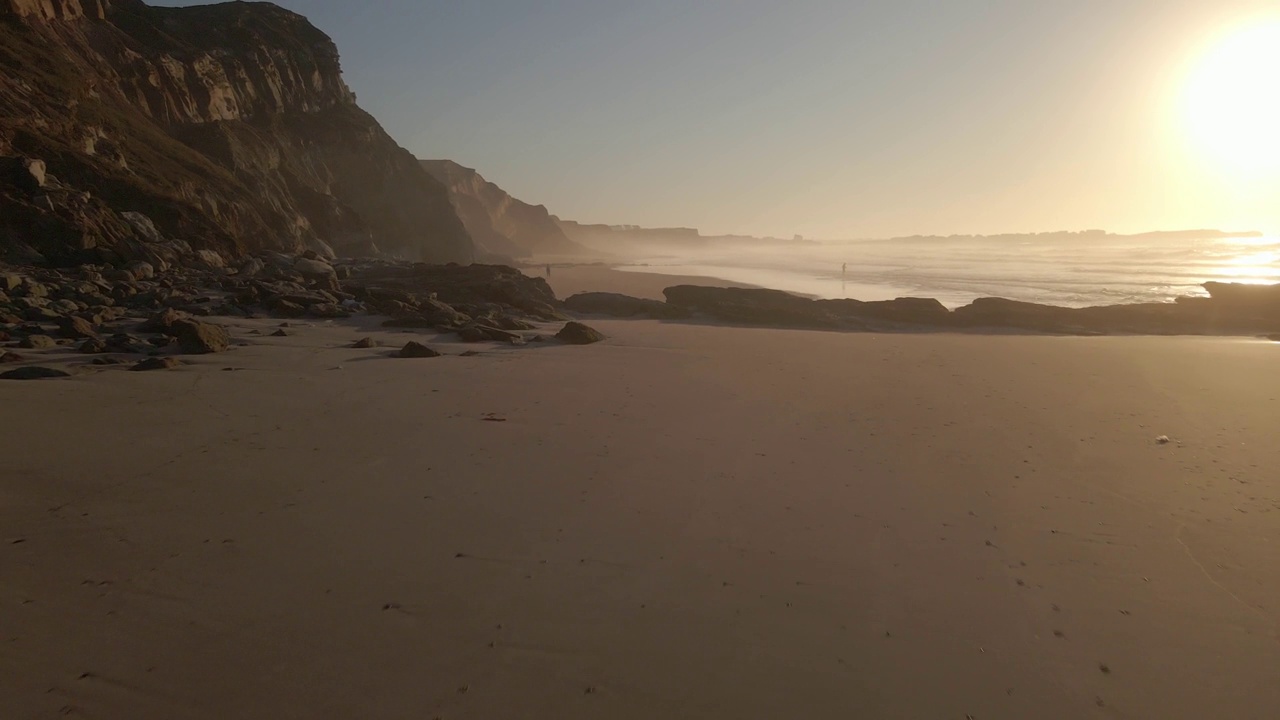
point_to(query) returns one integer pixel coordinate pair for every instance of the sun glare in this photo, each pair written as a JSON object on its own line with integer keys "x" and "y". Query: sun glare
{"x": 1232, "y": 100}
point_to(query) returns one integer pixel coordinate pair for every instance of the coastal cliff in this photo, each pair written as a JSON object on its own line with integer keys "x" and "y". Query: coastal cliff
{"x": 139, "y": 132}
{"x": 498, "y": 223}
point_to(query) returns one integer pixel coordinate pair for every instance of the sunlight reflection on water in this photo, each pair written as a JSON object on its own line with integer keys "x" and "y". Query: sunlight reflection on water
{"x": 957, "y": 271}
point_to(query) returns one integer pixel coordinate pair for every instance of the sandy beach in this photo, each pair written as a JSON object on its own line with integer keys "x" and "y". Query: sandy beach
{"x": 684, "y": 521}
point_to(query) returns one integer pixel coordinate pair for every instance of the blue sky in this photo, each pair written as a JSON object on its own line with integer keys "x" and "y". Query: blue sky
{"x": 826, "y": 118}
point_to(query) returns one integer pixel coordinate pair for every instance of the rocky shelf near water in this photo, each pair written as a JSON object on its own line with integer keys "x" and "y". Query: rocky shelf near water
{"x": 1229, "y": 309}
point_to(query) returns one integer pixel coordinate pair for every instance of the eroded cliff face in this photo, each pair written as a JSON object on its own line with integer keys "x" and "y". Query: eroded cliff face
{"x": 229, "y": 126}
{"x": 498, "y": 223}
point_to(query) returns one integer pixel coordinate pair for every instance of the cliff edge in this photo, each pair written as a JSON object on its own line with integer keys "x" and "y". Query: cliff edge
{"x": 132, "y": 132}
{"x": 498, "y": 223}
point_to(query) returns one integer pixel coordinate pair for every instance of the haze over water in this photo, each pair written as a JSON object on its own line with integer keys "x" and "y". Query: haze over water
{"x": 1072, "y": 273}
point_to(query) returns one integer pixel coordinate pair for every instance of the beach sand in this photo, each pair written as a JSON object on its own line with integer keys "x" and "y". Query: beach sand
{"x": 684, "y": 521}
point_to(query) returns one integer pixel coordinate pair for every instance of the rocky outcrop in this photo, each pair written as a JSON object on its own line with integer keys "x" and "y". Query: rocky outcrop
{"x": 135, "y": 132}
{"x": 473, "y": 290}
{"x": 499, "y": 224}
{"x": 1230, "y": 309}
{"x": 618, "y": 305}
{"x": 753, "y": 306}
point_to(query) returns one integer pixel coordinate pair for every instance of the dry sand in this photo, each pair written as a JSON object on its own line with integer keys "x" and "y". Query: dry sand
{"x": 681, "y": 522}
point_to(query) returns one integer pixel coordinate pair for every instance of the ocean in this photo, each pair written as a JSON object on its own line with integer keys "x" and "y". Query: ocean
{"x": 1074, "y": 273}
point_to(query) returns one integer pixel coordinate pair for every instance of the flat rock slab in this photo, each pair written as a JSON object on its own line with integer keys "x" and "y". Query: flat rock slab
{"x": 156, "y": 363}
{"x": 34, "y": 372}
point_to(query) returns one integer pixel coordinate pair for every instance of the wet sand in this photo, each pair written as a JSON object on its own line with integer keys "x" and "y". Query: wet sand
{"x": 681, "y": 522}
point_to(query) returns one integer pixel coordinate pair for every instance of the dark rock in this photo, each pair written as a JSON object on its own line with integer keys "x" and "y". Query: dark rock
{"x": 457, "y": 285}
{"x": 313, "y": 268}
{"x": 92, "y": 346}
{"x": 413, "y": 321}
{"x": 10, "y": 357}
{"x": 365, "y": 343}
{"x": 752, "y": 306}
{"x": 417, "y": 350}
{"x": 32, "y": 289}
{"x": 482, "y": 333}
{"x": 439, "y": 313}
{"x": 1144, "y": 318}
{"x": 125, "y": 343}
{"x": 253, "y": 267}
{"x": 280, "y": 333}
{"x": 327, "y": 310}
{"x": 197, "y": 338}
{"x": 287, "y": 308}
{"x": 156, "y": 363}
{"x": 41, "y": 314}
{"x": 163, "y": 321}
{"x": 33, "y": 372}
{"x": 37, "y": 342}
{"x": 618, "y": 305}
{"x": 141, "y": 270}
{"x": 76, "y": 328}
{"x": 575, "y": 333}
{"x": 507, "y": 322}
{"x": 907, "y": 310}
{"x": 25, "y": 173}
{"x": 471, "y": 333}
{"x": 1245, "y": 294}
{"x": 108, "y": 360}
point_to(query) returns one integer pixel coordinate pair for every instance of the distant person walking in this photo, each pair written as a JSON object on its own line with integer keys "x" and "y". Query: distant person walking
{"x": 844, "y": 267}
{"x": 548, "y": 271}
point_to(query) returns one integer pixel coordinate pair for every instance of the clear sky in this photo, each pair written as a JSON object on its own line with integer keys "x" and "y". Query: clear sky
{"x": 828, "y": 118}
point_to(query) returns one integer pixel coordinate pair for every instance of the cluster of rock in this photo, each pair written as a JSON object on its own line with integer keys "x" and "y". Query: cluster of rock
{"x": 1229, "y": 309}
{"x": 144, "y": 312}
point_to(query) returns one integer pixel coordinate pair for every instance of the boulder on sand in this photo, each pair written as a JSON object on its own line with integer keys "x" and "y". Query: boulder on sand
{"x": 198, "y": 338}
{"x": 575, "y": 333}
{"x": 37, "y": 342}
{"x": 417, "y": 350}
{"x": 162, "y": 322}
{"x": 76, "y": 328}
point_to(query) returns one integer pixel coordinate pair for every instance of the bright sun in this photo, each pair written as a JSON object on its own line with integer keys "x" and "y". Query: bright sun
{"x": 1231, "y": 100}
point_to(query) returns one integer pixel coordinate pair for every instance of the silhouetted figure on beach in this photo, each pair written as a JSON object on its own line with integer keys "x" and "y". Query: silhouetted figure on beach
{"x": 843, "y": 268}
{"x": 548, "y": 271}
